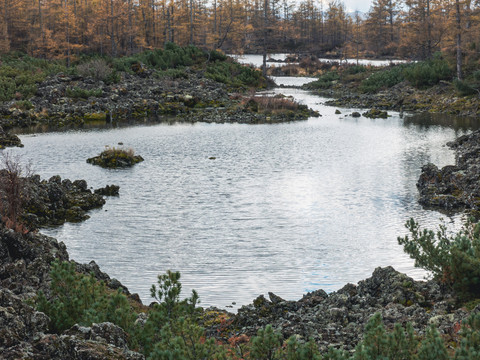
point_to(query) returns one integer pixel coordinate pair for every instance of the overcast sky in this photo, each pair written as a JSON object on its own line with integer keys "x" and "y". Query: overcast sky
{"x": 361, "y": 5}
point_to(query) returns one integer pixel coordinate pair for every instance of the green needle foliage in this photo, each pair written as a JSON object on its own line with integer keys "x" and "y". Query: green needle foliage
{"x": 400, "y": 344}
{"x": 470, "y": 345}
{"x": 432, "y": 347}
{"x": 266, "y": 344}
{"x": 452, "y": 259}
{"x": 81, "y": 299}
{"x": 172, "y": 330}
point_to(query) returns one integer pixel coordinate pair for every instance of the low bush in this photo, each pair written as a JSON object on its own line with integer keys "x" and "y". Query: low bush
{"x": 234, "y": 74}
{"x": 81, "y": 299}
{"x": 465, "y": 88}
{"x": 172, "y": 329}
{"x": 355, "y": 69}
{"x": 382, "y": 79}
{"x": 80, "y": 93}
{"x": 428, "y": 73}
{"x": 452, "y": 259}
{"x": 20, "y": 74}
{"x": 96, "y": 68}
{"x": 173, "y": 73}
{"x": 324, "y": 81}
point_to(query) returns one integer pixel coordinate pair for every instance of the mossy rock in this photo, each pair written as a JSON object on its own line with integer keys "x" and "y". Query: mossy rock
{"x": 109, "y": 190}
{"x": 92, "y": 117}
{"x": 375, "y": 114}
{"x": 115, "y": 158}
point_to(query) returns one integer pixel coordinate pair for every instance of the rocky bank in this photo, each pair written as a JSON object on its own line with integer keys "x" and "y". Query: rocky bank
{"x": 441, "y": 98}
{"x": 64, "y": 101}
{"x": 24, "y": 270}
{"x": 454, "y": 187}
{"x": 337, "y": 319}
{"x": 55, "y": 201}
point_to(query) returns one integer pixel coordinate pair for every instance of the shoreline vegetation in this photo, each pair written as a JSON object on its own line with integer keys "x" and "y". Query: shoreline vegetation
{"x": 52, "y": 307}
{"x": 184, "y": 84}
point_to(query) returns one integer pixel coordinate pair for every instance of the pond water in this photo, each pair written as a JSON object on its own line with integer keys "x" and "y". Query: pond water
{"x": 287, "y": 208}
{"x": 257, "y": 60}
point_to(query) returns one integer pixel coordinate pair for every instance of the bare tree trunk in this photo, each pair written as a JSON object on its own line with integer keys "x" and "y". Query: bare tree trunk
{"x": 42, "y": 32}
{"x": 214, "y": 16}
{"x": 113, "y": 45}
{"x": 390, "y": 18}
{"x": 169, "y": 26}
{"x": 154, "y": 27}
{"x": 265, "y": 32}
{"x": 429, "y": 32}
{"x": 5, "y": 43}
{"x": 67, "y": 33}
{"x": 172, "y": 29}
{"x": 191, "y": 22}
{"x": 459, "y": 41}
{"x": 130, "y": 27}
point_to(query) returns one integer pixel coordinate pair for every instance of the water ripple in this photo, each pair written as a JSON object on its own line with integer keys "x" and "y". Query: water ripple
{"x": 287, "y": 208}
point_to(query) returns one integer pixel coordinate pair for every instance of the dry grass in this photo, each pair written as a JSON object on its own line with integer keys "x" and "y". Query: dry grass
{"x": 118, "y": 152}
{"x": 273, "y": 104}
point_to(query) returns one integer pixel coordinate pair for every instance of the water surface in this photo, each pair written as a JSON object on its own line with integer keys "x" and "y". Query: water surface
{"x": 257, "y": 60}
{"x": 287, "y": 208}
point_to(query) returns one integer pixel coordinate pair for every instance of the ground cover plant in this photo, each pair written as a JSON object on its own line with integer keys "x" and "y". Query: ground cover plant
{"x": 20, "y": 74}
{"x": 369, "y": 79}
{"x": 173, "y": 328}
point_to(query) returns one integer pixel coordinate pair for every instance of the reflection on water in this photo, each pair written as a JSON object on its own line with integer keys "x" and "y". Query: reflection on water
{"x": 427, "y": 119}
{"x": 287, "y": 208}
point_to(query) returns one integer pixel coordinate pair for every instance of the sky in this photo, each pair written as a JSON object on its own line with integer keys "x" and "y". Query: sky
{"x": 360, "y": 5}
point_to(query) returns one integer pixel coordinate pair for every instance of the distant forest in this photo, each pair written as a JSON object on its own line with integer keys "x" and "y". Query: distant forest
{"x": 413, "y": 29}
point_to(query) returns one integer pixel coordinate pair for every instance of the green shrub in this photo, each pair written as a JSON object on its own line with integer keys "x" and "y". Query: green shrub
{"x": 452, "y": 259}
{"x": 81, "y": 299}
{"x": 234, "y": 74}
{"x": 7, "y": 88}
{"x": 23, "y": 105}
{"x": 173, "y": 73}
{"x": 382, "y": 79}
{"x": 19, "y": 74}
{"x": 266, "y": 345}
{"x": 470, "y": 344}
{"x": 298, "y": 351}
{"x": 432, "y": 347}
{"x": 77, "y": 93}
{"x": 324, "y": 81}
{"x": 378, "y": 344}
{"x": 217, "y": 56}
{"x": 171, "y": 328}
{"x": 476, "y": 75}
{"x": 464, "y": 88}
{"x": 428, "y": 73}
{"x": 355, "y": 69}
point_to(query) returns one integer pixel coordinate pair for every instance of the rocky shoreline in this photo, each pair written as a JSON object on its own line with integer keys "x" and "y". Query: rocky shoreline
{"x": 402, "y": 97}
{"x": 70, "y": 101}
{"x": 331, "y": 320}
{"x": 454, "y": 187}
{"x": 335, "y": 320}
